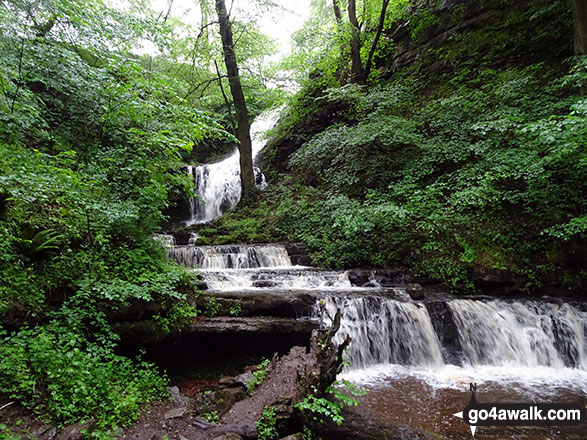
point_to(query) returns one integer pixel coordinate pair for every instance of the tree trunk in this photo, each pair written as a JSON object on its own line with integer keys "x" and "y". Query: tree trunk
{"x": 243, "y": 129}
{"x": 342, "y": 70}
{"x": 376, "y": 40}
{"x": 337, "y": 10}
{"x": 579, "y": 8}
{"x": 357, "y": 74}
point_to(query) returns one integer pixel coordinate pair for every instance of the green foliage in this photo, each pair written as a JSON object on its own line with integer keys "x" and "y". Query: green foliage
{"x": 212, "y": 307}
{"x": 266, "y": 428}
{"x": 175, "y": 318}
{"x": 89, "y": 138}
{"x": 309, "y": 435}
{"x": 421, "y": 22}
{"x": 322, "y": 407}
{"x": 74, "y": 378}
{"x": 472, "y": 168}
{"x": 235, "y": 310}
{"x": 258, "y": 375}
{"x": 437, "y": 185}
{"x": 211, "y": 417}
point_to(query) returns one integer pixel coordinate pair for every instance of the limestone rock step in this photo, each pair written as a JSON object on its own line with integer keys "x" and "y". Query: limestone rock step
{"x": 252, "y": 325}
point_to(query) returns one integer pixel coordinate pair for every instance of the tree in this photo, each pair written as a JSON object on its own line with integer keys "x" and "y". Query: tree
{"x": 360, "y": 74}
{"x": 243, "y": 128}
{"x": 579, "y": 8}
{"x": 357, "y": 72}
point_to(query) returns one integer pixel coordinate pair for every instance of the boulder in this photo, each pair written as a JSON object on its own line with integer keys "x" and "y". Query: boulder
{"x": 415, "y": 290}
{"x": 252, "y": 325}
{"x": 74, "y": 432}
{"x": 177, "y": 398}
{"x": 176, "y": 413}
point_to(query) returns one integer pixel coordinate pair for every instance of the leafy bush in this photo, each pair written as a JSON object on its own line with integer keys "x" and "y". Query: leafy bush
{"x": 258, "y": 375}
{"x": 486, "y": 173}
{"x": 73, "y": 378}
{"x": 266, "y": 428}
{"x": 322, "y": 407}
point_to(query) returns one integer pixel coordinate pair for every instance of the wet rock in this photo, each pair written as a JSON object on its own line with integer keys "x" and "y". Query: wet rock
{"x": 176, "y": 413}
{"x": 379, "y": 278}
{"x": 497, "y": 281}
{"x": 446, "y": 329}
{"x": 177, "y": 398}
{"x": 253, "y": 325}
{"x": 280, "y": 303}
{"x": 359, "y": 278}
{"x": 415, "y": 291}
{"x": 298, "y": 254}
{"x": 202, "y": 285}
{"x": 263, "y": 283}
{"x": 298, "y": 436}
{"x": 229, "y": 436}
{"x": 74, "y": 432}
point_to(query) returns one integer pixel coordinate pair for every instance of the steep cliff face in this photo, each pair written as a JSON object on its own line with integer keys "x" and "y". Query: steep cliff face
{"x": 440, "y": 38}
{"x": 495, "y": 32}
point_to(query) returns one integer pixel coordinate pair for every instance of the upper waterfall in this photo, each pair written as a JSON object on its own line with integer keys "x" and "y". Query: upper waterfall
{"x": 217, "y": 185}
{"x": 230, "y": 256}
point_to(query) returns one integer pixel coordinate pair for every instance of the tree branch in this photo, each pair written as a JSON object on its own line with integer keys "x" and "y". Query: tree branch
{"x": 376, "y": 40}
{"x": 226, "y": 101}
{"x": 206, "y": 83}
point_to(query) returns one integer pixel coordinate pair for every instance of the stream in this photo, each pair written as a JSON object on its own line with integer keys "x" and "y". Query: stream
{"x": 418, "y": 358}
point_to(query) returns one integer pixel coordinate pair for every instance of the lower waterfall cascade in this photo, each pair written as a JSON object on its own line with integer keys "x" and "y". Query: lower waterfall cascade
{"x": 388, "y": 327}
{"x": 423, "y": 353}
{"x": 514, "y": 349}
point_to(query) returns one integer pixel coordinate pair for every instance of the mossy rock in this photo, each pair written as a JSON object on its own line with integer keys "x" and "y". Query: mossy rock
{"x": 224, "y": 239}
{"x": 203, "y": 241}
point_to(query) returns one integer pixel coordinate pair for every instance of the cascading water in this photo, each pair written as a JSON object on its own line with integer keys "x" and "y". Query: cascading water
{"x": 529, "y": 334}
{"x": 394, "y": 329}
{"x": 384, "y": 331}
{"x": 494, "y": 333}
{"x": 217, "y": 185}
{"x": 238, "y": 267}
{"x": 518, "y": 349}
{"x": 230, "y": 256}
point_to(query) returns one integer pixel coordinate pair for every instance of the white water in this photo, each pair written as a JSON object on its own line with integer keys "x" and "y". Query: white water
{"x": 241, "y": 267}
{"x": 282, "y": 278}
{"x": 230, "y": 256}
{"x": 530, "y": 344}
{"x": 528, "y": 334}
{"x": 499, "y": 339}
{"x": 217, "y": 185}
{"x": 384, "y": 331}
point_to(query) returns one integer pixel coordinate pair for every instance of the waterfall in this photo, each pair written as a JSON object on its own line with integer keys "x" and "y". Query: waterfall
{"x": 231, "y": 267}
{"x": 527, "y": 333}
{"x": 388, "y": 327}
{"x": 217, "y": 185}
{"x": 491, "y": 333}
{"x": 166, "y": 240}
{"x": 230, "y": 256}
{"x": 285, "y": 278}
{"x": 384, "y": 331}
